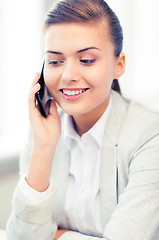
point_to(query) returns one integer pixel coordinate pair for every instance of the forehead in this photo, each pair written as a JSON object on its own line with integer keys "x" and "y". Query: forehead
{"x": 76, "y": 36}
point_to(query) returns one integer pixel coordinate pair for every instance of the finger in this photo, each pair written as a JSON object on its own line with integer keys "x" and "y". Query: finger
{"x": 36, "y": 78}
{"x": 31, "y": 99}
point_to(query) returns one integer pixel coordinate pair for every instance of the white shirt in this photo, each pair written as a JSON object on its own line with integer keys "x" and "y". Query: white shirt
{"x": 82, "y": 206}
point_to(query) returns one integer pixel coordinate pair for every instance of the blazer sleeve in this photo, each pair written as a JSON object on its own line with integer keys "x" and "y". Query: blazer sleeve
{"x": 30, "y": 220}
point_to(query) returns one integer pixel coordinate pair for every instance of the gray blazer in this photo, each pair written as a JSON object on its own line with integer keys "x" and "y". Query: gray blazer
{"x": 129, "y": 183}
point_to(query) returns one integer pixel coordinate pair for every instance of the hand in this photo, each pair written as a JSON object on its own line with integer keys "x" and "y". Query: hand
{"x": 46, "y": 132}
{"x": 59, "y": 233}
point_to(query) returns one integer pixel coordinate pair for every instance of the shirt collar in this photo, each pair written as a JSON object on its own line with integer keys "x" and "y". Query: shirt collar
{"x": 97, "y": 131}
{"x": 70, "y": 134}
{"x": 71, "y": 137}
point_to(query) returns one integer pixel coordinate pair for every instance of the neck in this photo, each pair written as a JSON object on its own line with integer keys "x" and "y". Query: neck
{"x": 84, "y": 122}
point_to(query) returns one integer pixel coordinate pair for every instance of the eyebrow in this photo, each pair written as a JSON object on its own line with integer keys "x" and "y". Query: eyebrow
{"x": 79, "y": 51}
{"x": 86, "y": 49}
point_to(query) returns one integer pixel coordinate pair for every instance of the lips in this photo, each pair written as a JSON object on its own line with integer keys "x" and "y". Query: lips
{"x": 73, "y": 94}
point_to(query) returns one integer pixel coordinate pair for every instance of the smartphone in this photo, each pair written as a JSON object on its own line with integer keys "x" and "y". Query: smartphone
{"x": 42, "y": 96}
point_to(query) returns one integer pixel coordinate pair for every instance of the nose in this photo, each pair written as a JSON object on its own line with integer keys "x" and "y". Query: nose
{"x": 70, "y": 72}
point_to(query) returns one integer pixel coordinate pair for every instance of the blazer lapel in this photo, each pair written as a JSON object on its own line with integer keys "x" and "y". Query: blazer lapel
{"x": 109, "y": 165}
{"x": 60, "y": 175}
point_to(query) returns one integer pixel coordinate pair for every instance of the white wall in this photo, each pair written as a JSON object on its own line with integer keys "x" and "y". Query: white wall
{"x": 140, "y": 21}
{"x": 21, "y": 50}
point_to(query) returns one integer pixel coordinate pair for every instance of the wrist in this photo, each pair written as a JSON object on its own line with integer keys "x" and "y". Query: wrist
{"x": 38, "y": 176}
{"x": 44, "y": 150}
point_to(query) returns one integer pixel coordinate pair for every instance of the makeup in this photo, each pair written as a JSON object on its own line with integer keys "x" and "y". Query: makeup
{"x": 73, "y": 93}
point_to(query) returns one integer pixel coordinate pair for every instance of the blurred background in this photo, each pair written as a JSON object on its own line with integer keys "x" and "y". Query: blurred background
{"x": 21, "y": 51}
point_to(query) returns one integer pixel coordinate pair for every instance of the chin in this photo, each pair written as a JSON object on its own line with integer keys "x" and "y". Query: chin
{"x": 72, "y": 110}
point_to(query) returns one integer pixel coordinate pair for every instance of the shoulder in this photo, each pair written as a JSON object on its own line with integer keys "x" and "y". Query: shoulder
{"x": 141, "y": 121}
{"x": 138, "y": 126}
{"x": 135, "y": 116}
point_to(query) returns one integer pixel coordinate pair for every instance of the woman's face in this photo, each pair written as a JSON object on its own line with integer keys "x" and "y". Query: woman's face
{"x": 80, "y": 66}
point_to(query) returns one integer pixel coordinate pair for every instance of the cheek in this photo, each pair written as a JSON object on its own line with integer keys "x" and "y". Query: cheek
{"x": 100, "y": 76}
{"x": 51, "y": 79}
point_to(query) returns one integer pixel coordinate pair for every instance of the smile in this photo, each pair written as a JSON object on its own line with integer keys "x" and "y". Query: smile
{"x": 73, "y": 94}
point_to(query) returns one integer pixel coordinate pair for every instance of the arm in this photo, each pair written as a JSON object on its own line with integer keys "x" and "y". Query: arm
{"x": 29, "y": 219}
{"x": 46, "y": 132}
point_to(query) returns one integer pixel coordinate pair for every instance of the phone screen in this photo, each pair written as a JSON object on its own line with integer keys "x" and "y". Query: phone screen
{"x": 43, "y": 97}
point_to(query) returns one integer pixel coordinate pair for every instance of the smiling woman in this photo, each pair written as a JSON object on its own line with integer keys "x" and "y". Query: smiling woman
{"x": 89, "y": 167}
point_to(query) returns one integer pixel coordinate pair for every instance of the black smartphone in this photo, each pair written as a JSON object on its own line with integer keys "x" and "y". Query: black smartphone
{"x": 40, "y": 94}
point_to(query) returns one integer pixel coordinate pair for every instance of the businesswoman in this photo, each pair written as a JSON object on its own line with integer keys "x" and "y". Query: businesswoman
{"x": 90, "y": 169}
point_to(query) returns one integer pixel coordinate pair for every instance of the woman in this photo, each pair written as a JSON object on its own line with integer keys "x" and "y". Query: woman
{"x": 100, "y": 151}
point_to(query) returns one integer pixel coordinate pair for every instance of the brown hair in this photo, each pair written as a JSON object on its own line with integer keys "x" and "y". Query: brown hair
{"x": 87, "y": 11}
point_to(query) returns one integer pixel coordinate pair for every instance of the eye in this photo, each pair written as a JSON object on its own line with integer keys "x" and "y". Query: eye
{"x": 55, "y": 63}
{"x": 87, "y": 61}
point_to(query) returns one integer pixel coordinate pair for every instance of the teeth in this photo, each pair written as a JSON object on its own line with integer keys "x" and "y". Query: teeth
{"x": 71, "y": 93}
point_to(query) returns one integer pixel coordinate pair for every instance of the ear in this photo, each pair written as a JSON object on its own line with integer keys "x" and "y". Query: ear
{"x": 120, "y": 66}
